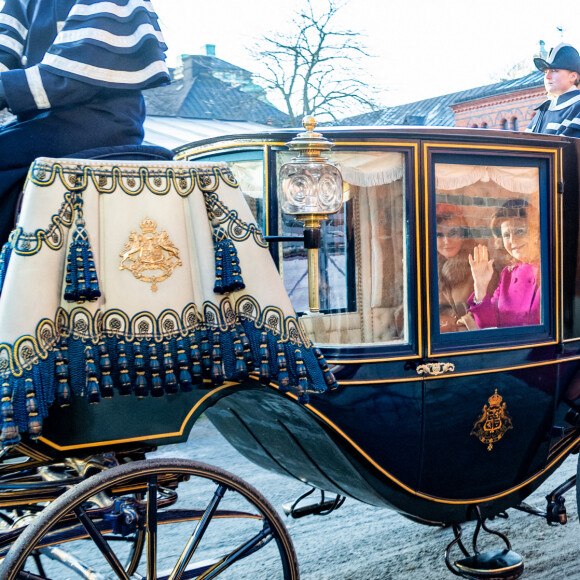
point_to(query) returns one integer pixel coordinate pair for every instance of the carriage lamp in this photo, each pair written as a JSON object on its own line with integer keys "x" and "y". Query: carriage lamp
{"x": 311, "y": 192}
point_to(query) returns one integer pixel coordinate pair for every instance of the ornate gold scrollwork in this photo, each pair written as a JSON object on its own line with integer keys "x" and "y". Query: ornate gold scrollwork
{"x": 493, "y": 422}
{"x": 150, "y": 252}
{"x": 435, "y": 368}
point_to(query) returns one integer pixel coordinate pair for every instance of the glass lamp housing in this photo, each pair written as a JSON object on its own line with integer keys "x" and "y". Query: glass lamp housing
{"x": 310, "y": 188}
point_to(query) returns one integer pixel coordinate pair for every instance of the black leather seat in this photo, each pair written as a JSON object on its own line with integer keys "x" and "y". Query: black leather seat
{"x": 126, "y": 153}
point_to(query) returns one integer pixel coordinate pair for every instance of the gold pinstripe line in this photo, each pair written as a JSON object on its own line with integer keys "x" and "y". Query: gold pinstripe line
{"x": 433, "y": 498}
{"x": 144, "y": 437}
{"x": 366, "y": 456}
{"x": 465, "y": 374}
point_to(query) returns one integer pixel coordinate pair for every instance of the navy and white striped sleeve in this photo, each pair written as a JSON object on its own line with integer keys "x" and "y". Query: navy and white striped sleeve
{"x": 113, "y": 44}
{"x": 13, "y": 32}
{"x": 34, "y": 89}
{"x": 568, "y": 125}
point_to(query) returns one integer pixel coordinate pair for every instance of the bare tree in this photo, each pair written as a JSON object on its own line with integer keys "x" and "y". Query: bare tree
{"x": 515, "y": 71}
{"x": 315, "y": 67}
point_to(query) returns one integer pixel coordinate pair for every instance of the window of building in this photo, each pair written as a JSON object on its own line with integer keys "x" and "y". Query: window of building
{"x": 514, "y": 124}
{"x": 504, "y": 124}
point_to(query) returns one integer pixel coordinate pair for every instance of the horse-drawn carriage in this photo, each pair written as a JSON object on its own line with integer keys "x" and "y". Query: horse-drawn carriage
{"x": 138, "y": 296}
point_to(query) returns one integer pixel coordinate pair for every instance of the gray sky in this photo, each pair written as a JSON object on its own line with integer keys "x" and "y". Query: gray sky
{"x": 421, "y": 48}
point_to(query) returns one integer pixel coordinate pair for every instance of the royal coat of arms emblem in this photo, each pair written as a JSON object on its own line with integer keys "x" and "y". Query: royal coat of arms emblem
{"x": 493, "y": 422}
{"x": 150, "y": 256}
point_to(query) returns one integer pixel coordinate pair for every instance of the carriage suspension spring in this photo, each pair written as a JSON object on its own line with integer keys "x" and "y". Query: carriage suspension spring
{"x": 555, "y": 510}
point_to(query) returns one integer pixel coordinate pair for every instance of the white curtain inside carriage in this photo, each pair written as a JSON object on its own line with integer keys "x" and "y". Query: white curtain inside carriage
{"x": 512, "y": 179}
{"x": 377, "y": 186}
{"x": 155, "y": 232}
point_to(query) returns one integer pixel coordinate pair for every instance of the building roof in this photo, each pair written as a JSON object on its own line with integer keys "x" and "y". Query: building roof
{"x": 531, "y": 81}
{"x": 205, "y": 97}
{"x": 213, "y": 63}
{"x": 437, "y": 111}
{"x": 172, "y": 132}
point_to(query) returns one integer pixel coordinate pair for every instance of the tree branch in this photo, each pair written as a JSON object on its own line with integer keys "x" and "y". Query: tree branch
{"x": 314, "y": 68}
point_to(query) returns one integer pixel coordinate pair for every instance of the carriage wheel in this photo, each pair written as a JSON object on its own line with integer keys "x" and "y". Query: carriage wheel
{"x": 578, "y": 484}
{"x": 216, "y": 525}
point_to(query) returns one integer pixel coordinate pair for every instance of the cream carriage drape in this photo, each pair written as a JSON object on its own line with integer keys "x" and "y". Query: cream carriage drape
{"x": 154, "y": 240}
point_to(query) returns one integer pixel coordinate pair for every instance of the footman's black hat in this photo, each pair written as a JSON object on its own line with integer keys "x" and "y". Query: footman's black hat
{"x": 564, "y": 56}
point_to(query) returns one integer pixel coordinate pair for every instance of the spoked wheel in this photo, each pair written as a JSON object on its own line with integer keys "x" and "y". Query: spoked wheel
{"x": 578, "y": 484}
{"x": 197, "y": 521}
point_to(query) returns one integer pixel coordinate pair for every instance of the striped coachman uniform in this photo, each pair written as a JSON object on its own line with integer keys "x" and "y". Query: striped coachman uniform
{"x": 72, "y": 72}
{"x": 559, "y": 116}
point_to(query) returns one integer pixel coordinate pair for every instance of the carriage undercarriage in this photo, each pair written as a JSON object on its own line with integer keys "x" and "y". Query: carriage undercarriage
{"x": 93, "y": 518}
{"x": 123, "y": 509}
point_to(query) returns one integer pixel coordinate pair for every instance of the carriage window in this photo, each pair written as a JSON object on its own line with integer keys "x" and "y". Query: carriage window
{"x": 250, "y": 176}
{"x": 487, "y": 235}
{"x": 248, "y": 169}
{"x": 363, "y": 256}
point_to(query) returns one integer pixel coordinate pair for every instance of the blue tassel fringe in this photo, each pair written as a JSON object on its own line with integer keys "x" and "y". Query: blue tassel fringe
{"x": 5, "y": 256}
{"x": 9, "y": 434}
{"x": 81, "y": 275}
{"x": 228, "y": 274}
{"x": 144, "y": 368}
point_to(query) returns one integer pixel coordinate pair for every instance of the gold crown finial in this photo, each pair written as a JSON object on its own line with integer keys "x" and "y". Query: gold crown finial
{"x": 309, "y": 122}
{"x": 148, "y": 225}
{"x": 495, "y": 400}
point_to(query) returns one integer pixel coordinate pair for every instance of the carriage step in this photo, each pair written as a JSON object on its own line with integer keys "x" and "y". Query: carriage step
{"x": 323, "y": 507}
{"x": 309, "y": 510}
{"x": 493, "y": 565}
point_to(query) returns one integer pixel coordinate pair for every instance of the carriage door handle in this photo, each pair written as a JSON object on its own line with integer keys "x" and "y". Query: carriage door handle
{"x": 435, "y": 368}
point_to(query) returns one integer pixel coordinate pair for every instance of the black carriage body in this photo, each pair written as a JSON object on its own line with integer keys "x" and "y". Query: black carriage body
{"x": 427, "y": 422}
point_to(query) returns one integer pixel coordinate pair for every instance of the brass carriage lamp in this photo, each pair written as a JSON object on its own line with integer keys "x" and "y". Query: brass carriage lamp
{"x": 312, "y": 192}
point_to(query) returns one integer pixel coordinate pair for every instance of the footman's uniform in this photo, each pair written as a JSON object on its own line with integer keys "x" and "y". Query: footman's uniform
{"x": 559, "y": 115}
{"x": 72, "y": 72}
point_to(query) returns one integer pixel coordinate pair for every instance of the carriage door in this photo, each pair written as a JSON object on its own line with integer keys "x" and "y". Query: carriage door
{"x": 492, "y": 317}
{"x": 369, "y": 295}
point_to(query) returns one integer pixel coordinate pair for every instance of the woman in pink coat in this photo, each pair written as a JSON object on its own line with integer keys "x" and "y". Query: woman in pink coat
{"x": 517, "y": 299}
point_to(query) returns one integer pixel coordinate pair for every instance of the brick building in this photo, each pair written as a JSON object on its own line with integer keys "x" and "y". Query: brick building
{"x": 509, "y": 105}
